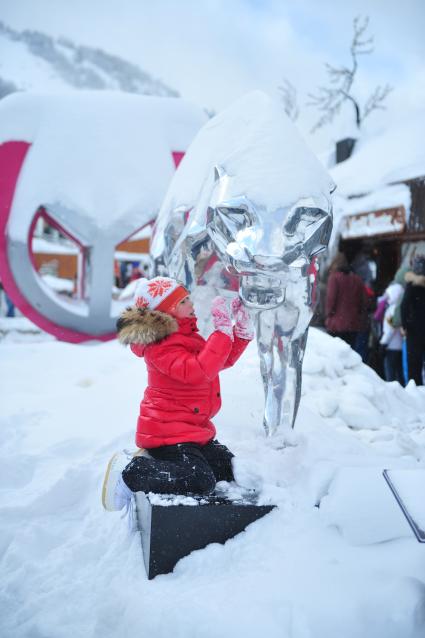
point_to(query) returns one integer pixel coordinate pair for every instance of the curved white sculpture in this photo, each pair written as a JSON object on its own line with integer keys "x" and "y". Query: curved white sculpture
{"x": 97, "y": 164}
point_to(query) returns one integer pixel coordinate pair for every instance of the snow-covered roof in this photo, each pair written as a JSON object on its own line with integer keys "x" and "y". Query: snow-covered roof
{"x": 387, "y": 197}
{"x": 354, "y": 217}
{"x": 107, "y": 155}
{"x": 144, "y": 233}
{"x": 396, "y": 154}
{"x": 40, "y": 245}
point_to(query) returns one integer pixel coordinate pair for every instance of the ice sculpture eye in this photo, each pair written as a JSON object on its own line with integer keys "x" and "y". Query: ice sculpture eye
{"x": 307, "y": 230}
{"x": 237, "y": 216}
{"x": 301, "y": 218}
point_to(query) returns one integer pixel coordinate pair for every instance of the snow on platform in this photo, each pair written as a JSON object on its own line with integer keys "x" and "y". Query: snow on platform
{"x": 70, "y": 569}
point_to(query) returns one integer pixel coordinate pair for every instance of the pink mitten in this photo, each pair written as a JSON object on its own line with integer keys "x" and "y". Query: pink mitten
{"x": 221, "y": 317}
{"x": 244, "y": 327}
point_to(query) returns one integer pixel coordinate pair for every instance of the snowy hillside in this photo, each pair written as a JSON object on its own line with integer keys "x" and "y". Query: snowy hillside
{"x": 34, "y": 60}
{"x": 350, "y": 568}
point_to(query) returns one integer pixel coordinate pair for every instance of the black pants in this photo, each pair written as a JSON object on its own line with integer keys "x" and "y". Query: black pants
{"x": 415, "y": 356}
{"x": 186, "y": 468}
{"x": 348, "y": 337}
{"x": 393, "y": 366}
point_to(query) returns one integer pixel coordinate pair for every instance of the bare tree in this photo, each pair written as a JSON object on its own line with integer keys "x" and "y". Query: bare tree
{"x": 329, "y": 99}
{"x": 289, "y": 99}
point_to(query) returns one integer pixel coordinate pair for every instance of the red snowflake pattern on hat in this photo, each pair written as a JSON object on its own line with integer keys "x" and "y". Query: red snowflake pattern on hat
{"x": 159, "y": 287}
{"x": 142, "y": 302}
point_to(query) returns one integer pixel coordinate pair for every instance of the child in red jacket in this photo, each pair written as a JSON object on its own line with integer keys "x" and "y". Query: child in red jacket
{"x": 181, "y": 454}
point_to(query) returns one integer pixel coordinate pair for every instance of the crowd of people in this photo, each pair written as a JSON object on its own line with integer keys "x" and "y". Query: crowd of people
{"x": 128, "y": 271}
{"x": 388, "y": 331}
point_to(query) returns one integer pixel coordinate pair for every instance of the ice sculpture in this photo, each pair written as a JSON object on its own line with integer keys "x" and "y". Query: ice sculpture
{"x": 247, "y": 212}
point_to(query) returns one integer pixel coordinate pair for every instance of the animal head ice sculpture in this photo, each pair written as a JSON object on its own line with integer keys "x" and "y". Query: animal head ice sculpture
{"x": 248, "y": 211}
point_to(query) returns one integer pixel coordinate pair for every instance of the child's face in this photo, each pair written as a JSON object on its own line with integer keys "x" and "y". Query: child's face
{"x": 183, "y": 309}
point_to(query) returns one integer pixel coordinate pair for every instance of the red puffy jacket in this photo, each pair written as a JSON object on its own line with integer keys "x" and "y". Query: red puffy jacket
{"x": 183, "y": 391}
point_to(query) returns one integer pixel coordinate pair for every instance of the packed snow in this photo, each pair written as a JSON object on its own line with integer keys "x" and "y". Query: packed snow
{"x": 335, "y": 559}
{"x": 40, "y": 245}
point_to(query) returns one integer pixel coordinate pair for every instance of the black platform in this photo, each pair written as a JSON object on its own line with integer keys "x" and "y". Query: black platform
{"x": 172, "y": 527}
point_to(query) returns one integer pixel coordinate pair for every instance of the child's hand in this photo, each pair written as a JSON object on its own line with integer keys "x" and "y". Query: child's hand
{"x": 244, "y": 327}
{"x": 221, "y": 317}
{"x": 235, "y": 305}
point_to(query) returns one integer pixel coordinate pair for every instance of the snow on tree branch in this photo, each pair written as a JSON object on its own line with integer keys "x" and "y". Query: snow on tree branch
{"x": 375, "y": 100}
{"x": 289, "y": 99}
{"x": 329, "y": 99}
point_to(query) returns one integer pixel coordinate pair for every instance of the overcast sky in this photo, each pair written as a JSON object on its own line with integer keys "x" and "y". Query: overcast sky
{"x": 213, "y": 51}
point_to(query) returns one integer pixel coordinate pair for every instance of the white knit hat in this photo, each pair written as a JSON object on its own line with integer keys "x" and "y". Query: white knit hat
{"x": 159, "y": 293}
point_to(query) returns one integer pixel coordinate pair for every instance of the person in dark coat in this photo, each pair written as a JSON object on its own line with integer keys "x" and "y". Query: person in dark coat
{"x": 182, "y": 396}
{"x": 413, "y": 318}
{"x": 346, "y": 303}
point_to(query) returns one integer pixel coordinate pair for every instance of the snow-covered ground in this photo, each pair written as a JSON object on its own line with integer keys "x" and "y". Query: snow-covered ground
{"x": 350, "y": 568}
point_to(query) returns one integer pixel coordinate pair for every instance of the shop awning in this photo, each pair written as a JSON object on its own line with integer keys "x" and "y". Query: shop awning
{"x": 371, "y": 223}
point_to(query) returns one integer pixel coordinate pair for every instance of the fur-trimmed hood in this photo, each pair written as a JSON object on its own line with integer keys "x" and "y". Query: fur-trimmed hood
{"x": 144, "y": 326}
{"x": 415, "y": 280}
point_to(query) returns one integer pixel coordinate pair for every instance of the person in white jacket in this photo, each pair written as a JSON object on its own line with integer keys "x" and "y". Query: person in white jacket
{"x": 392, "y": 338}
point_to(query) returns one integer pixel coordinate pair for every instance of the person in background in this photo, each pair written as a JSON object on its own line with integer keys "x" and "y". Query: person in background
{"x": 413, "y": 318}
{"x": 136, "y": 273}
{"x": 379, "y": 314}
{"x": 361, "y": 343}
{"x": 346, "y": 303}
{"x": 124, "y": 274}
{"x": 117, "y": 274}
{"x": 10, "y": 306}
{"x": 400, "y": 278}
{"x": 391, "y": 338}
{"x": 10, "y": 312}
{"x": 360, "y": 265}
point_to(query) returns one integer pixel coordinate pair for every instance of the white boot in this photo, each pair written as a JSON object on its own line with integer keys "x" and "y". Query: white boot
{"x": 115, "y": 493}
